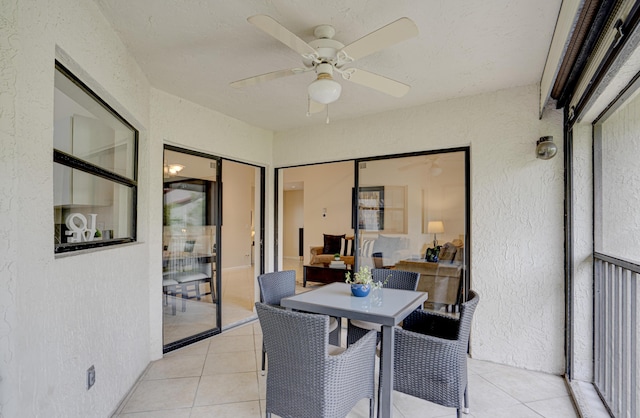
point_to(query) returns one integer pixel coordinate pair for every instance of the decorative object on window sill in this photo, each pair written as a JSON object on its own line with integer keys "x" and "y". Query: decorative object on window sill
{"x": 77, "y": 228}
{"x": 545, "y": 148}
{"x": 435, "y": 227}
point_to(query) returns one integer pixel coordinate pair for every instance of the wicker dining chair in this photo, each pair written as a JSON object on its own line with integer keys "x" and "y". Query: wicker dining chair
{"x": 281, "y": 284}
{"x": 392, "y": 279}
{"x": 431, "y": 356}
{"x": 308, "y": 377}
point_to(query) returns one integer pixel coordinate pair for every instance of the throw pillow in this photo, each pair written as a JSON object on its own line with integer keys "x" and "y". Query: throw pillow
{"x": 367, "y": 248}
{"x": 332, "y": 244}
{"x": 387, "y": 245}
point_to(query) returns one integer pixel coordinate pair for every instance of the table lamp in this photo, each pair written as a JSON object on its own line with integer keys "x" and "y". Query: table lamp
{"x": 435, "y": 227}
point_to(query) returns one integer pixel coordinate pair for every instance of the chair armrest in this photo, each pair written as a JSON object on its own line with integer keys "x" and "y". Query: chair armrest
{"x": 365, "y": 348}
{"x": 316, "y": 250}
{"x": 349, "y": 369}
{"x": 415, "y": 351}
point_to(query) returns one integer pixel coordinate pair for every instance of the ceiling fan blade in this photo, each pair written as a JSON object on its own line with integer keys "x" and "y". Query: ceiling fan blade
{"x": 266, "y": 77}
{"x": 284, "y": 35}
{"x": 383, "y": 84}
{"x": 394, "y": 32}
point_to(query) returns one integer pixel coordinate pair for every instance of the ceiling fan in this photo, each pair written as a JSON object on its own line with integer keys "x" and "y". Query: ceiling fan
{"x": 325, "y": 55}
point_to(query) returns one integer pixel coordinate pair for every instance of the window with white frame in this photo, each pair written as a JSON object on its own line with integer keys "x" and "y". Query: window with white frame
{"x": 94, "y": 169}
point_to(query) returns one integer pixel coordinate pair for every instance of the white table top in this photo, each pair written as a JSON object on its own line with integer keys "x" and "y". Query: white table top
{"x": 383, "y": 306}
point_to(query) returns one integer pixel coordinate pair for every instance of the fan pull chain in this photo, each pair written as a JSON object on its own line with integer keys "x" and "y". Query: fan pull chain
{"x": 327, "y": 114}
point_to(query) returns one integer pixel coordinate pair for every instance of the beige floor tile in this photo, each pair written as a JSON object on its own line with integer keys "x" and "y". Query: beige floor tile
{"x": 561, "y": 407}
{"x": 527, "y": 386}
{"x": 410, "y": 406}
{"x": 151, "y": 395}
{"x": 170, "y": 413}
{"x": 221, "y": 375}
{"x": 515, "y": 411}
{"x": 230, "y": 362}
{"x": 230, "y": 343}
{"x": 176, "y": 366}
{"x": 232, "y": 410}
{"x": 227, "y": 388}
{"x": 483, "y": 395}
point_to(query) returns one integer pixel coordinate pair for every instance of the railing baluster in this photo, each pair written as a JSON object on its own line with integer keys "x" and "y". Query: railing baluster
{"x": 616, "y": 334}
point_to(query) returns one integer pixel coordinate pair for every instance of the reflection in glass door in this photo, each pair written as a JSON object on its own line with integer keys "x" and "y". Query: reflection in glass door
{"x": 191, "y": 308}
{"x": 412, "y": 214}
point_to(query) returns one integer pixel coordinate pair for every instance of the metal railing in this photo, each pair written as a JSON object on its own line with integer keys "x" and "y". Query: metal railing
{"x": 616, "y": 334}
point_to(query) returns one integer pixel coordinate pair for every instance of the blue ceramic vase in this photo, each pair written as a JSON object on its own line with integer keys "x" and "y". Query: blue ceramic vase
{"x": 360, "y": 290}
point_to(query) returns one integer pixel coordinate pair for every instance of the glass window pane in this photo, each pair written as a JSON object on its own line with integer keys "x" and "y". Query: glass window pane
{"x": 412, "y": 217}
{"x": 89, "y": 208}
{"x": 619, "y": 234}
{"x": 86, "y": 129}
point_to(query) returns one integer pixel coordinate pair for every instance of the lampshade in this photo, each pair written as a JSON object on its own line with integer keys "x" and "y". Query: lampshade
{"x": 545, "y": 148}
{"x": 435, "y": 227}
{"x": 325, "y": 89}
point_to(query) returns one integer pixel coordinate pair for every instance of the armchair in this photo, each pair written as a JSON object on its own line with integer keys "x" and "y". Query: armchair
{"x": 431, "y": 356}
{"x": 308, "y": 377}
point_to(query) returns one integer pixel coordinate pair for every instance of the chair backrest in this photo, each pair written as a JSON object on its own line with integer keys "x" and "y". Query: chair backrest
{"x": 297, "y": 346}
{"x": 466, "y": 315}
{"x": 396, "y": 279}
{"x": 277, "y": 285}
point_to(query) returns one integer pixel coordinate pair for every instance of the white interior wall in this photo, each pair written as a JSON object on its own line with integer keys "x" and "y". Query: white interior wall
{"x": 237, "y": 196}
{"x": 293, "y": 220}
{"x": 326, "y": 187}
{"x": 516, "y": 208}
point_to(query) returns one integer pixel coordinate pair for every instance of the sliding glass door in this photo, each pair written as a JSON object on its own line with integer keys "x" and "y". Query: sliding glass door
{"x": 209, "y": 262}
{"x": 407, "y": 212}
{"x": 411, "y": 213}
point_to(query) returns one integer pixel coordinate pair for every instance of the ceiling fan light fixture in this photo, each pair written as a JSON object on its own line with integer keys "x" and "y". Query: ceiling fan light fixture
{"x": 325, "y": 89}
{"x": 172, "y": 169}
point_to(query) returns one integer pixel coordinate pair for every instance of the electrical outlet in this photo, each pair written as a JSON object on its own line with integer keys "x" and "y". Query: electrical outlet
{"x": 91, "y": 377}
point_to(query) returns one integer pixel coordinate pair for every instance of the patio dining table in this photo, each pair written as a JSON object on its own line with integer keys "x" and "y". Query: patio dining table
{"x": 387, "y": 307}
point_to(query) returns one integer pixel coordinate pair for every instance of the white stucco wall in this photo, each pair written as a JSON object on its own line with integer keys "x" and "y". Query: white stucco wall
{"x": 62, "y": 315}
{"x": 103, "y": 308}
{"x": 516, "y": 208}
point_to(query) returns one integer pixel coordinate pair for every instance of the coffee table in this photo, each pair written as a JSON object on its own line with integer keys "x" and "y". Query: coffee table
{"x": 321, "y": 274}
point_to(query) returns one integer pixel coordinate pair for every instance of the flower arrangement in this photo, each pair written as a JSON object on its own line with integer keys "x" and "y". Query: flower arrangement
{"x": 363, "y": 276}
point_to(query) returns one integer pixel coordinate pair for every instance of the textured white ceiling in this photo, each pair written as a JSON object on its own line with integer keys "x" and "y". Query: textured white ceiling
{"x": 194, "y": 49}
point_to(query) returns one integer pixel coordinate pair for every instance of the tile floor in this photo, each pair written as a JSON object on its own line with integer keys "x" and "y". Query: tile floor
{"x": 220, "y": 377}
